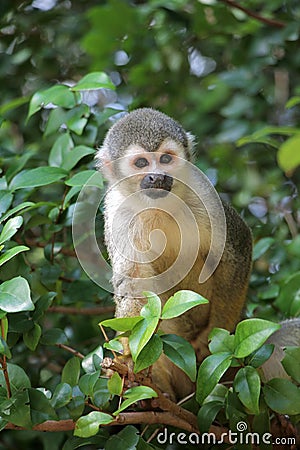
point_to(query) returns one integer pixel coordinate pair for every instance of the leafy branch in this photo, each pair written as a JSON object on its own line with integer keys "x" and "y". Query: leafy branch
{"x": 248, "y": 12}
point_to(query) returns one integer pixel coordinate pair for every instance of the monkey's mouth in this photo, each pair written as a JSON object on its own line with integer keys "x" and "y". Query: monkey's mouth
{"x": 157, "y": 192}
{"x": 157, "y": 185}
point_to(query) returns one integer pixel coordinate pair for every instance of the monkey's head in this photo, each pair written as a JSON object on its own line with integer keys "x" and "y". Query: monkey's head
{"x": 143, "y": 152}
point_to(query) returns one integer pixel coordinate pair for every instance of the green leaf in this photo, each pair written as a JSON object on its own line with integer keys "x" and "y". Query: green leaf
{"x": 40, "y": 407}
{"x": 121, "y": 324}
{"x": 140, "y": 335}
{"x": 251, "y": 334}
{"x": 115, "y": 384}
{"x": 31, "y": 337}
{"x": 220, "y": 341}
{"x": 258, "y": 140}
{"x": 150, "y": 353}
{"x": 126, "y": 439}
{"x": 77, "y": 404}
{"x": 90, "y": 177}
{"x": 71, "y": 371}
{"x": 87, "y": 382}
{"x": 10, "y": 228}
{"x": 100, "y": 395}
{"x": 285, "y": 130}
{"x": 152, "y": 308}
{"x": 282, "y": 396}
{"x": 15, "y": 295}
{"x": 12, "y": 104}
{"x": 291, "y": 362}
{"x": 17, "y": 378}
{"x": 145, "y": 328}
{"x": 17, "y": 410}
{"x": 10, "y": 253}
{"x": 4, "y": 349}
{"x": 260, "y": 356}
{"x": 40, "y": 176}
{"x": 114, "y": 345}
{"x": 61, "y": 147}
{"x": 57, "y": 117}
{"x": 289, "y": 299}
{"x": 181, "y": 353}
{"x": 75, "y": 155}
{"x": 89, "y": 425}
{"x": 72, "y": 192}
{"x": 96, "y": 442}
{"x": 181, "y": 302}
{"x": 235, "y": 410}
{"x": 59, "y": 95}
{"x": 18, "y": 164}
{"x": 42, "y": 304}
{"x": 288, "y": 155}
{"x": 293, "y": 101}
{"x": 24, "y": 205}
{"x": 77, "y": 118}
{"x": 207, "y": 414}
{"x": 247, "y": 385}
{"x": 94, "y": 80}
{"x": 210, "y": 372}
{"x": 261, "y": 425}
{"x": 218, "y": 394}
{"x": 54, "y": 336}
{"x": 62, "y": 395}
{"x": 134, "y": 395}
{"x": 6, "y": 199}
{"x": 96, "y": 356}
{"x": 261, "y": 247}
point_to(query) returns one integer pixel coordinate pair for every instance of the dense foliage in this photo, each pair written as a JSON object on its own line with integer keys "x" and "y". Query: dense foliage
{"x": 68, "y": 69}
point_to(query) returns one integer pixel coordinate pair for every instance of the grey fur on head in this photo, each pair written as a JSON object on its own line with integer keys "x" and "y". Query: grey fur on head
{"x": 146, "y": 127}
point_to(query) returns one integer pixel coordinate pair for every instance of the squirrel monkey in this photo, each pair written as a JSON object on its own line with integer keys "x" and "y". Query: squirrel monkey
{"x": 160, "y": 209}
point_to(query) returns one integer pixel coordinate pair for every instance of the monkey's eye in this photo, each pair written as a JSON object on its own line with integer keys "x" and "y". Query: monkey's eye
{"x": 165, "y": 158}
{"x": 141, "y": 162}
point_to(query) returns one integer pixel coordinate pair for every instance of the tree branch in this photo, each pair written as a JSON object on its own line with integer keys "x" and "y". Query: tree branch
{"x": 94, "y": 311}
{"x": 161, "y": 401}
{"x": 267, "y": 21}
{"x": 145, "y": 417}
{"x": 49, "y": 425}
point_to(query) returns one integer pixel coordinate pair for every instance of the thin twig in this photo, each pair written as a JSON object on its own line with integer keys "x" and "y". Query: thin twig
{"x": 185, "y": 399}
{"x": 107, "y": 340}
{"x": 266, "y": 20}
{"x": 70, "y": 350}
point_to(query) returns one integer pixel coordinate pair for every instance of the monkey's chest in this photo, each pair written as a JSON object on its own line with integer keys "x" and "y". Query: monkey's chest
{"x": 165, "y": 239}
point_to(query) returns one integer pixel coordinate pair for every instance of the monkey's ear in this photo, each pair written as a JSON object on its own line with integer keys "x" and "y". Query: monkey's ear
{"x": 103, "y": 162}
{"x": 191, "y": 146}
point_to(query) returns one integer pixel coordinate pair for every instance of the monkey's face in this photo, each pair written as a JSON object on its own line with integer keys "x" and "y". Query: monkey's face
{"x": 152, "y": 174}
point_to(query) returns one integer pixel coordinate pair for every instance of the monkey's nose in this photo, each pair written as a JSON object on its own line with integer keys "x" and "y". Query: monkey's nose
{"x": 157, "y": 181}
